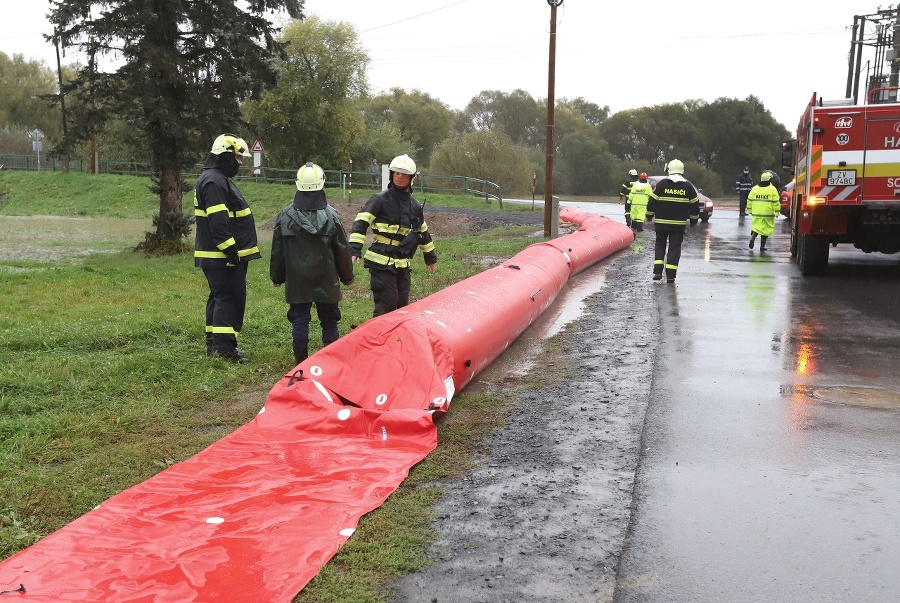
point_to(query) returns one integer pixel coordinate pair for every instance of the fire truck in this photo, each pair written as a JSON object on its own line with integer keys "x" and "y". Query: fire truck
{"x": 846, "y": 166}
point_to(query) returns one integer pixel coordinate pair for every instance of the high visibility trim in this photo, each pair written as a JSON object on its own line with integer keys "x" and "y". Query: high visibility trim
{"x": 671, "y": 266}
{"x": 357, "y": 238}
{"x": 386, "y": 240}
{"x": 427, "y": 247}
{"x": 390, "y": 228}
{"x": 365, "y": 216}
{"x": 384, "y": 260}
{"x": 657, "y": 262}
{"x": 223, "y": 330}
{"x": 251, "y": 251}
{"x": 217, "y": 208}
{"x": 227, "y": 243}
{"x": 673, "y": 222}
{"x": 242, "y": 213}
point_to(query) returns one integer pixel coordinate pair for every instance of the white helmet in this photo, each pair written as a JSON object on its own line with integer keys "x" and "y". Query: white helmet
{"x": 765, "y": 176}
{"x": 310, "y": 177}
{"x": 632, "y": 172}
{"x": 403, "y": 164}
{"x": 675, "y": 167}
{"x": 229, "y": 143}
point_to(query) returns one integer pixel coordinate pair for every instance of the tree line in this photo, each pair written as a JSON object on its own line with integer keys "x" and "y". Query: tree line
{"x": 193, "y": 70}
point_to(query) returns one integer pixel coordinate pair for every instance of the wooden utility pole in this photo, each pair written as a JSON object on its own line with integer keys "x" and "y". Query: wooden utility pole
{"x": 551, "y": 215}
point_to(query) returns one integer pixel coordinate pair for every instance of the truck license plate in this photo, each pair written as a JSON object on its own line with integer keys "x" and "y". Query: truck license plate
{"x": 841, "y": 177}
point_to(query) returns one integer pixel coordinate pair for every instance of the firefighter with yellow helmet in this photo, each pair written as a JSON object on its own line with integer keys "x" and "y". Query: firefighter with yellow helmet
{"x": 673, "y": 203}
{"x": 627, "y": 184}
{"x": 225, "y": 242}
{"x": 398, "y": 227}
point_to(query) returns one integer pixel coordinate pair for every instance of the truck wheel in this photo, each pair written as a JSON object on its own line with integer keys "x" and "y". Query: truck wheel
{"x": 812, "y": 255}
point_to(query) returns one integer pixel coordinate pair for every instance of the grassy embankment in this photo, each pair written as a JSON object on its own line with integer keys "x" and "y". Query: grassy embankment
{"x": 104, "y": 379}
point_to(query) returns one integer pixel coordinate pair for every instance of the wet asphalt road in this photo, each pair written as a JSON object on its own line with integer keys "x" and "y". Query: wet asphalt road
{"x": 771, "y": 449}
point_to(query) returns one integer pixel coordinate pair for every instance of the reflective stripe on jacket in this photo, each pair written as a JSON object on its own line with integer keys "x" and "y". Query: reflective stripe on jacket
{"x": 391, "y": 215}
{"x": 224, "y": 222}
{"x": 674, "y": 201}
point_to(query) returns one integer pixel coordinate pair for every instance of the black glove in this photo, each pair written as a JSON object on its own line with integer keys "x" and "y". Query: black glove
{"x": 232, "y": 258}
{"x": 627, "y": 221}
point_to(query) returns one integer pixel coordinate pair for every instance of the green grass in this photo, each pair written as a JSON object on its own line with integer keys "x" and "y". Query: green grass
{"x": 104, "y": 379}
{"x": 111, "y": 196}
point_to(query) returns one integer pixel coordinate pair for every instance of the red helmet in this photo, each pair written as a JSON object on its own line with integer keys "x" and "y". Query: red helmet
{"x": 643, "y": 175}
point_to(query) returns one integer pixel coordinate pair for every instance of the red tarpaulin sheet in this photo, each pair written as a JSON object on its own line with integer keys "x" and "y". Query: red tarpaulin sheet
{"x": 254, "y": 516}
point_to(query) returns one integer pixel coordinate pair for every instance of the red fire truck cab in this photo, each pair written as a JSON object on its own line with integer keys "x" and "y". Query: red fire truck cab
{"x": 846, "y": 166}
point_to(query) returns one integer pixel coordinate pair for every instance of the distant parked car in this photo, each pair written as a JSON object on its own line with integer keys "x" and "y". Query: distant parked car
{"x": 706, "y": 204}
{"x": 787, "y": 193}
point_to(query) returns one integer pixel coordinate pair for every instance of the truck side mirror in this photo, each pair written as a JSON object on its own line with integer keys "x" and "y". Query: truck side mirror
{"x": 787, "y": 156}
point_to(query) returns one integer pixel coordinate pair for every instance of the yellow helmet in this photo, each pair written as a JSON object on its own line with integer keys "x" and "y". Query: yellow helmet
{"x": 632, "y": 172}
{"x": 675, "y": 167}
{"x": 310, "y": 177}
{"x": 403, "y": 164}
{"x": 229, "y": 143}
{"x": 765, "y": 176}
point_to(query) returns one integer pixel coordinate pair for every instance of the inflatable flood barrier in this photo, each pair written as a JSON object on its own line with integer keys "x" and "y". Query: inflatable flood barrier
{"x": 254, "y": 516}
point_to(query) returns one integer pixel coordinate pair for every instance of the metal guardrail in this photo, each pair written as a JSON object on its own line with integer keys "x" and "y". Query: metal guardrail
{"x": 454, "y": 185}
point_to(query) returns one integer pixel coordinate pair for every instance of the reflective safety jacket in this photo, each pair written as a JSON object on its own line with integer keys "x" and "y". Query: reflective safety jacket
{"x": 764, "y": 205}
{"x": 636, "y": 204}
{"x": 673, "y": 202}
{"x": 392, "y": 215}
{"x": 225, "y": 225}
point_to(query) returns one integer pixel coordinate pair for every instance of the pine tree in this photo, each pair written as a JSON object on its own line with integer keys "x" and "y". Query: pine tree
{"x": 181, "y": 70}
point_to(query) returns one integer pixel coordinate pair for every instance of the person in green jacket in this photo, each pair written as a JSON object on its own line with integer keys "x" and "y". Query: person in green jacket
{"x": 311, "y": 258}
{"x": 764, "y": 205}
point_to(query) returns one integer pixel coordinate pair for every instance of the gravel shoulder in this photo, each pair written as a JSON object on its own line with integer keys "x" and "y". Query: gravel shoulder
{"x": 543, "y": 516}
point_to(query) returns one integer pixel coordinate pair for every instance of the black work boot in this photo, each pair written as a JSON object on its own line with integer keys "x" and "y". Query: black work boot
{"x": 752, "y": 239}
{"x": 762, "y": 243}
{"x": 301, "y": 352}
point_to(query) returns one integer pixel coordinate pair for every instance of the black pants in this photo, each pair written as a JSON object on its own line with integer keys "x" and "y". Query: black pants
{"x": 300, "y": 316}
{"x": 225, "y": 307}
{"x": 742, "y": 202}
{"x": 673, "y": 235}
{"x": 389, "y": 289}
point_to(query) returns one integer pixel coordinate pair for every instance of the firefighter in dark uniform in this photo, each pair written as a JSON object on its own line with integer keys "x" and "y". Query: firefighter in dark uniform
{"x": 626, "y": 185}
{"x": 225, "y": 243}
{"x": 742, "y": 185}
{"x": 399, "y": 228}
{"x": 673, "y": 203}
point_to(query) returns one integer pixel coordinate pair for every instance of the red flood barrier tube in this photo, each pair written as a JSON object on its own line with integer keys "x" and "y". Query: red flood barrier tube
{"x": 254, "y": 516}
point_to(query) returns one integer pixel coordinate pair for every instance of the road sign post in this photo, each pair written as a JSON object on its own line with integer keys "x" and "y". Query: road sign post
{"x": 257, "y": 150}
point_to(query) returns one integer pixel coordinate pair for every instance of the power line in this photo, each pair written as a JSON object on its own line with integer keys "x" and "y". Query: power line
{"x": 413, "y": 17}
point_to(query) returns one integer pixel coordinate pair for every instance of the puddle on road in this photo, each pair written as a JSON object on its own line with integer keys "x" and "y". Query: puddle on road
{"x": 568, "y": 306}
{"x": 866, "y": 397}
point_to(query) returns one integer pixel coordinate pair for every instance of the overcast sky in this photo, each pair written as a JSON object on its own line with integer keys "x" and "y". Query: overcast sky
{"x": 611, "y": 53}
